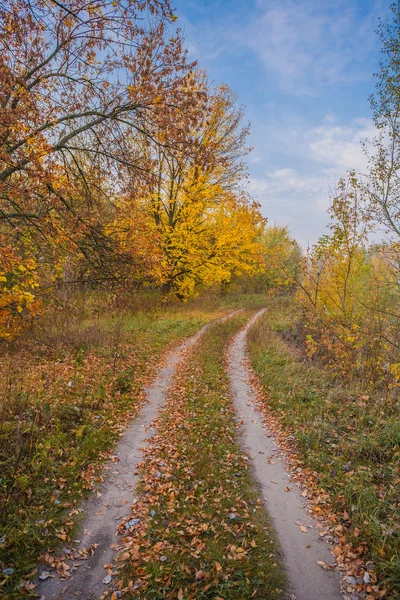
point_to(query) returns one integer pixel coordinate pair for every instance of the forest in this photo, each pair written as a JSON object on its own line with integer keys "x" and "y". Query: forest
{"x": 128, "y": 238}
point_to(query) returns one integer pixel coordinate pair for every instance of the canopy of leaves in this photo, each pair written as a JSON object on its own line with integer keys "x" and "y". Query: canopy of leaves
{"x": 120, "y": 165}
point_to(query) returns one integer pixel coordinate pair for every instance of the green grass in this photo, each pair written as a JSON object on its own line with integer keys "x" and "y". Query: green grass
{"x": 251, "y": 301}
{"x": 203, "y": 531}
{"x": 67, "y": 395}
{"x": 348, "y": 437}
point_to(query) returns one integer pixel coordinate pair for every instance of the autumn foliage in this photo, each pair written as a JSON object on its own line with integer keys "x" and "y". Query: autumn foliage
{"x": 17, "y": 291}
{"x": 349, "y": 291}
{"x": 120, "y": 164}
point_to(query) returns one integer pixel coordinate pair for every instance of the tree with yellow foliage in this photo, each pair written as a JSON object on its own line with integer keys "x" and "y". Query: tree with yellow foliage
{"x": 348, "y": 305}
{"x": 18, "y": 282}
{"x": 208, "y": 226}
{"x": 120, "y": 165}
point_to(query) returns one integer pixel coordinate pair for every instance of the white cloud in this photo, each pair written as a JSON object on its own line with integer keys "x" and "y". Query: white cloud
{"x": 299, "y": 197}
{"x": 285, "y": 180}
{"x": 338, "y": 146}
{"x": 292, "y": 198}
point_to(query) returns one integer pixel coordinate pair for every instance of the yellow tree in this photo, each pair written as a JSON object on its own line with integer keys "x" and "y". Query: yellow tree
{"x": 281, "y": 257}
{"x": 208, "y": 227}
{"x": 18, "y": 283}
{"x": 211, "y": 242}
{"x": 348, "y": 308}
{"x": 77, "y": 81}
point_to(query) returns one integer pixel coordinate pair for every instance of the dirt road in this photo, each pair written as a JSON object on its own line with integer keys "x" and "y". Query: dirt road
{"x": 297, "y": 532}
{"x": 103, "y": 512}
{"x": 301, "y": 550}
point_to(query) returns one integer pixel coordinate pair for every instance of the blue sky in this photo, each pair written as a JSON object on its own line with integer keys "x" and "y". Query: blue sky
{"x": 304, "y": 71}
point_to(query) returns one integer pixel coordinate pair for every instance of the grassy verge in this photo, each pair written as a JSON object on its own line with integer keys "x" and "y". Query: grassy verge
{"x": 201, "y": 530}
{"x": 251, "y": 301}
{"x": 65, "y": 399}
{"x": 348, "y": 439}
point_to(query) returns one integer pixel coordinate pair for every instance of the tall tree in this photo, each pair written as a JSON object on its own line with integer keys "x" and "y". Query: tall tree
{"x": 78, "y": 82}
{"x": 384, "y": 180}
{"x": 207, "y": 225}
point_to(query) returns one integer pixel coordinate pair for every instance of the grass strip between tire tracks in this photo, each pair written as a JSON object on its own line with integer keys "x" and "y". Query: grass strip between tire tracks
{"x": 198, "y": 528}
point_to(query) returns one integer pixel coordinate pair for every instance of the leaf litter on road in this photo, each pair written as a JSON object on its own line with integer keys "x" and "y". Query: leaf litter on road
{"x": 203, "y": 531}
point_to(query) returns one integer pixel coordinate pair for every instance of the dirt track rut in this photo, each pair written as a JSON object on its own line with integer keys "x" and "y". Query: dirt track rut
{"x": 103, "y": 513}
{"x": 308, "y": 581}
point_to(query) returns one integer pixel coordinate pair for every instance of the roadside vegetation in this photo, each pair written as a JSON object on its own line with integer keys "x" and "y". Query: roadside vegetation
{"x": 199, "y": 529}
{"x": 345, "y": 437}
